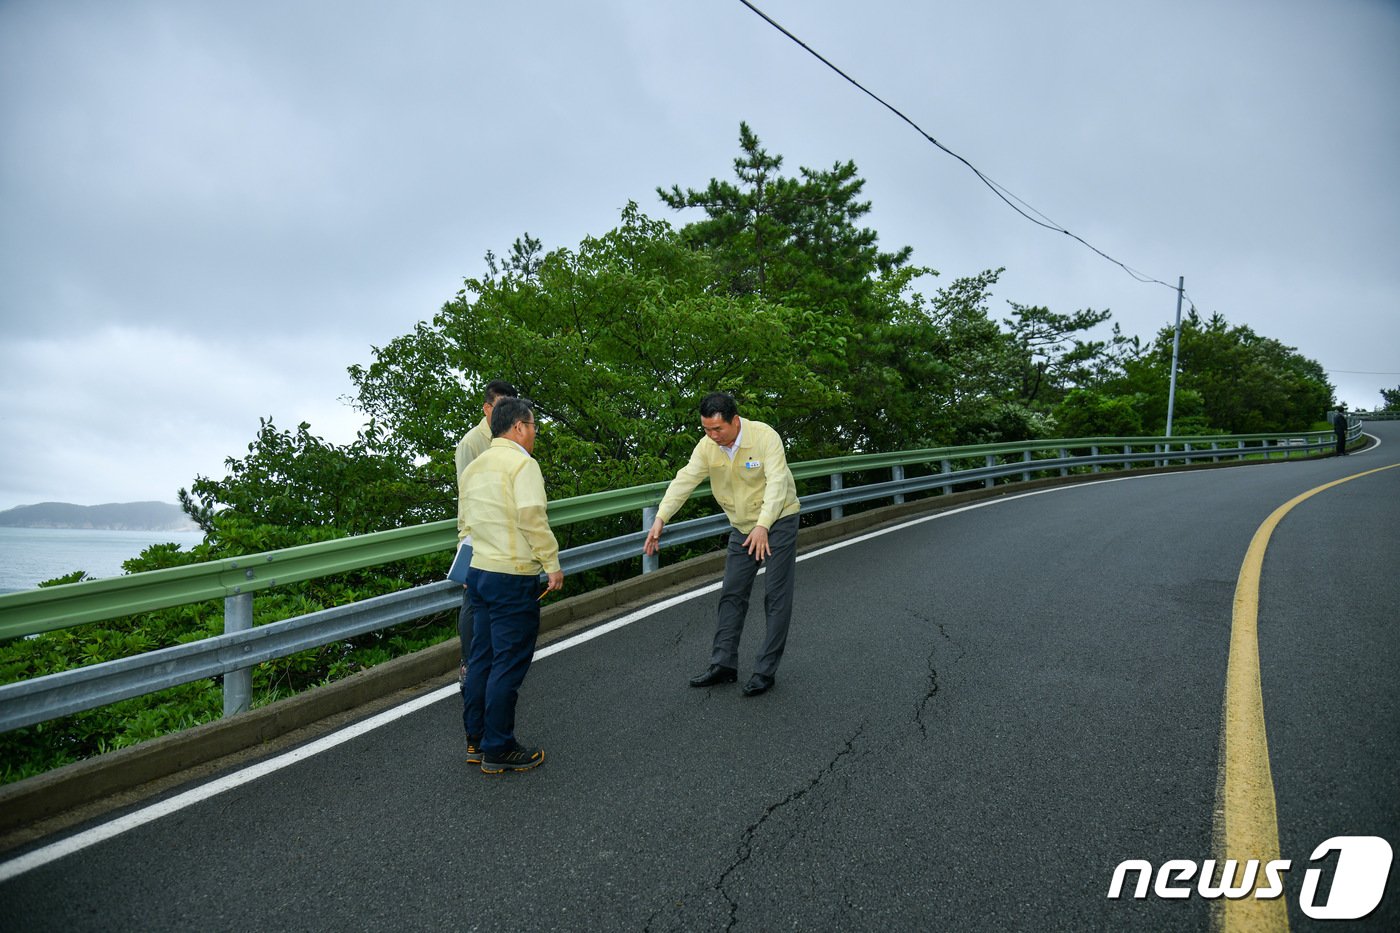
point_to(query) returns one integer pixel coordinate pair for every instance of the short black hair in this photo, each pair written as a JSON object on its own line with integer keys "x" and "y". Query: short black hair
{"x": 508, "y": 411}
{"x": 719, "y": 403}
{"x": 498, "y": 389}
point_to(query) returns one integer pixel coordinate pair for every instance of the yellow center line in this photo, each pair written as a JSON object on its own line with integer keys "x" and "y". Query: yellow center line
{"x": 1246, "y": 825}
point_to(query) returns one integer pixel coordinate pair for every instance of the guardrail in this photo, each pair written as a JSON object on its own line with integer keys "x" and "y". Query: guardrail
{"x": 241, "y": 647}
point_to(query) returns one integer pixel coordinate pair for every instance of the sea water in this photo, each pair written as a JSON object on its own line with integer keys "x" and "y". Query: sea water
{"x": 29, "y": 556}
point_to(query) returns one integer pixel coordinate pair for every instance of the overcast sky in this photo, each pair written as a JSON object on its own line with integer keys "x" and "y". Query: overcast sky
{"x": 209, "y": 210}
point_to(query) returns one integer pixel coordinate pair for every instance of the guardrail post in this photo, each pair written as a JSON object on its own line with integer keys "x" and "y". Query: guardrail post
{"x": 897, "y": 473}
{"x": 990, "y": 481}
{"x": 1026, "y": 458}
{"x": 652, "y": 562}
{"x": 1064, "y": 455}
{"x": 1215, "y": 445}
{"x": 836, "y": 510}
{"x": 947, "y": 468}
{"x": 238, "y": 685}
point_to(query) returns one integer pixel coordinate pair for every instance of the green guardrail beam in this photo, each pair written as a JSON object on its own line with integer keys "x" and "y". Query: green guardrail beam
{"x": 41, "y": 610}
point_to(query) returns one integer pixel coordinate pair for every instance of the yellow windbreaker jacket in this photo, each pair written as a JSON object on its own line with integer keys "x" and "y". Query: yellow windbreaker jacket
{"x": 755, "y": 489}
{"x": 472, "y": 445}
{"x": 502, "y": 505}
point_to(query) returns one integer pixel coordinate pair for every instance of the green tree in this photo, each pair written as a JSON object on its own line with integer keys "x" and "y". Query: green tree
{"x": 956, "y": 381}
{"x": 298, "y": 481}
{"x": 794, "y": 240}
{"x": 1230, "y": 380}
{"x": 615, "y": 342}
{"x": 1091, "y": 413}
{"x": 910, "y": 370}
{"x": 799, "y": 241}
{"x": 1051, "y": 357}
{"x": 1248, "y": 383}
{"x": 1390, "y": 399}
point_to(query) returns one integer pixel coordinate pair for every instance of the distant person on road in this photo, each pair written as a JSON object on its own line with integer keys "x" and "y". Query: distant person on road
{"x": 748, "y": 473}
{"x": 506, "y": 513}
{"x": 1339, "y": 427}
{"x": 473, "y": 443}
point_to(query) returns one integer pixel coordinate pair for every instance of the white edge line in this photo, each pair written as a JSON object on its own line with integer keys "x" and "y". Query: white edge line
{"x": 76, "y": 843}
{"x": 190, "y": 797}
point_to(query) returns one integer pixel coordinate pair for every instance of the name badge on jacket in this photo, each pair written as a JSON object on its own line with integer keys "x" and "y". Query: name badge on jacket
{"x": 752, "y": 464}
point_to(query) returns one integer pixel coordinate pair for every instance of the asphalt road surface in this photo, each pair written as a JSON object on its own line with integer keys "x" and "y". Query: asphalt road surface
{"x": 979, "y": 717}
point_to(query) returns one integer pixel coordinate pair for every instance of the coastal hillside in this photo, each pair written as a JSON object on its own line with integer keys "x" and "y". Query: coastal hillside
{"x": 114, "y": 516}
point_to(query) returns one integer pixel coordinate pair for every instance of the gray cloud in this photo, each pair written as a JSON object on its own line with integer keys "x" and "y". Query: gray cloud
{"x": 211, "y": 210}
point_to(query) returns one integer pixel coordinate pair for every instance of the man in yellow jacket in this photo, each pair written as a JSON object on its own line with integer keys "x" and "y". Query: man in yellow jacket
{"x": 748, "y": 473}
{"x": 475, "y": 441}
{"x": 472, "y": 444}
{"x": 506, "y": 513}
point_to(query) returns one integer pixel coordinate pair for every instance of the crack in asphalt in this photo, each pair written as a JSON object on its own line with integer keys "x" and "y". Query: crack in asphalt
{"x": 745, "y": 849}
{"x": 746, "y": 845}
{"x": 929, "y": 693}
{"x": 931, "y": 688}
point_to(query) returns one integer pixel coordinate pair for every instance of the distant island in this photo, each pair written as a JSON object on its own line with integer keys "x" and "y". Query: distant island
{"x": 114, "y": 516}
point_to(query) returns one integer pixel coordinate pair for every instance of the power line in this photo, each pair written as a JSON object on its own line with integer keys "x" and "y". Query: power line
{"x": 1000, "y": 191}
{"x": 1014, "y": 202}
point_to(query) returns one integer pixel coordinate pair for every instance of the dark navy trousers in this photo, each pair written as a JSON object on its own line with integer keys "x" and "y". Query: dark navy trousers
{"x": 505, "y": 625}
{"x": 464, "y": 635}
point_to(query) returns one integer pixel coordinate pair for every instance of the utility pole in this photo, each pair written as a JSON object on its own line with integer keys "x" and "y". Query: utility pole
{"x": 1176, "y": 348}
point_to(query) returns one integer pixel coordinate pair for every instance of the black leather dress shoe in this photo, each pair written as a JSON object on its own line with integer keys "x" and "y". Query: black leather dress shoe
{"x": 758, "y": 683}
{"x": 717, "y": 674}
